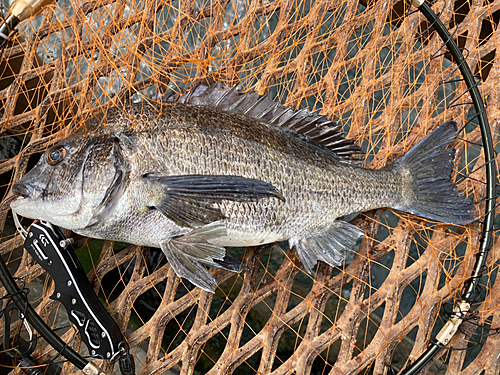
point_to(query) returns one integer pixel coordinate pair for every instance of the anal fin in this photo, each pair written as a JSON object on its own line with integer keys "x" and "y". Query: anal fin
{"x": 188, "y": 253}
{"x": 329, "y": 246}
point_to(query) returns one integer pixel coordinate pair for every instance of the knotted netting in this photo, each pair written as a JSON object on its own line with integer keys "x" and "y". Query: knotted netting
{"x": 380, "y": 69}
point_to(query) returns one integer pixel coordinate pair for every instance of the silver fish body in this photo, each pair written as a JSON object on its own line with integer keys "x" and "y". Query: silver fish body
{"x": 193, "y": 178}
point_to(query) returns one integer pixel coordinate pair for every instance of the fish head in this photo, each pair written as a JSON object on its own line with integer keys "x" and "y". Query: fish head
{"x": 73, "y": 183}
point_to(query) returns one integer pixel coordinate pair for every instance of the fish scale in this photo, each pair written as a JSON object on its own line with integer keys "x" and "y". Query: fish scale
{"x": 219, "y": 169}
{"x": 295, "y": 218}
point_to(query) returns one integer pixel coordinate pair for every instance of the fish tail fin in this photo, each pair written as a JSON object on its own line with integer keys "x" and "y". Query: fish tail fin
{"x": 426, "y": 171}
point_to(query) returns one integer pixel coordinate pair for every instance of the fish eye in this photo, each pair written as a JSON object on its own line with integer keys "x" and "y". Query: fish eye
{"x": 56, "y": 155}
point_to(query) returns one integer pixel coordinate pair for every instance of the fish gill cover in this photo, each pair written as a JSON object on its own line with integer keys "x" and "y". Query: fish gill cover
{"x": 377, "y": 68}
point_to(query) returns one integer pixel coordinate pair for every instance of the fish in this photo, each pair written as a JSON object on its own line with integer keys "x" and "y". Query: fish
{"x": 216, "y": 168}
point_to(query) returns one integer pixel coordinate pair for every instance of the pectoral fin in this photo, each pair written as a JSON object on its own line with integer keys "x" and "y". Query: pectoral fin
{"x": 189, "y": 200}
{"x": 329, "y": 246}
{"x": 188, "y": 253}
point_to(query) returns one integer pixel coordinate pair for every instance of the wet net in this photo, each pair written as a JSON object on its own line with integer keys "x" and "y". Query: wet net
{"x": 378, "y": 68}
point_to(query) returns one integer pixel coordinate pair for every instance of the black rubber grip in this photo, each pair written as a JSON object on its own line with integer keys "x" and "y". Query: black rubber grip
{"x": 127, "y": 364}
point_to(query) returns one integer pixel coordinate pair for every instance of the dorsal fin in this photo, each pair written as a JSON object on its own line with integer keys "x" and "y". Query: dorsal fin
{"x": 309, "y": 125}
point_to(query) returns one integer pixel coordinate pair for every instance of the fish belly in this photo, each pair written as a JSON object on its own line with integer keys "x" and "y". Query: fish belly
{"x": 236, "y": 238}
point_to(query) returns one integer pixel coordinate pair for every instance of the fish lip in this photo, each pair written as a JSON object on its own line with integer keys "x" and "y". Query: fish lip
{"x": 27, "y": 190}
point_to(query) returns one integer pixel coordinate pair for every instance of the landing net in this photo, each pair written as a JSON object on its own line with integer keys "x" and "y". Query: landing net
{"x": 377, "y": 67}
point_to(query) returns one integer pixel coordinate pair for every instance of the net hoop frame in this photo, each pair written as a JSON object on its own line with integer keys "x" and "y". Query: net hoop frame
{"x": 468, "y": 296}
{"x": 486, "y": 229}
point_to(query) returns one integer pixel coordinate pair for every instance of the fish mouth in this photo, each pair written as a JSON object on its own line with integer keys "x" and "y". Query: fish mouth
{"x": 24, "y": 194}
{"x": 23, "y": 191}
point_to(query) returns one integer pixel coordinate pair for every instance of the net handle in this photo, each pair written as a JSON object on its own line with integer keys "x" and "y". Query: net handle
{"x": 469, "y": 294}
{"x": 34, "y": 319}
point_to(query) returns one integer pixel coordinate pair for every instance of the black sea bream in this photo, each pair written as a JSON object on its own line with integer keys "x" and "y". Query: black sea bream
{"x": 221, "y": 168}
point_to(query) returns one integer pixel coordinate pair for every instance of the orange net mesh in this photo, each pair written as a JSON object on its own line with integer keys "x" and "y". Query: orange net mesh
{"x": 379, "y": 68}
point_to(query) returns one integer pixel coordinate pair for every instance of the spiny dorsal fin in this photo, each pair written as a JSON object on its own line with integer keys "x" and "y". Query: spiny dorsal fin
{"x": 308, "y": 125}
